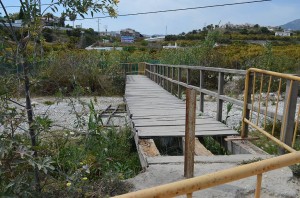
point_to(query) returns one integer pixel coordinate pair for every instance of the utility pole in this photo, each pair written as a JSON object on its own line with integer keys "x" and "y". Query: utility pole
{"x": 105, "y": 29}
{"x": 166, "y": 30}
{"x": 40, "y": 7}
{"x": 99, "y": 27}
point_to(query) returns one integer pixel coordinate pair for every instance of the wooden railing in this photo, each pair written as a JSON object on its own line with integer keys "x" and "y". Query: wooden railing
{"x": 171, "y": 77}
{"x": 133, "y": 68}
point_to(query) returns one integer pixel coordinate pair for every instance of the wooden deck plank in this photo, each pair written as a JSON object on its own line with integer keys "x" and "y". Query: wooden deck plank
{"x": 157, "y": 113}
{"x": 171, "y": 129}
{"x": 181, "y": 134}
{"x": 173, "y": 122}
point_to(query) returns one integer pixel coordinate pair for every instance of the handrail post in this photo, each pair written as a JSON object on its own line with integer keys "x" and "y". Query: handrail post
{"x": 124, "y": 70}
{"x": 179, "y": 80}
{"x": 155, "y": 71}
{"x": 258, "y": 186}
{"x": 168, "y": 74}
{"x": 173, "y": 77}
{"x": 247, "y": 99}
{"x": 151, "y": 70}
{"x": 220, "y": 92}
{"x": 159, "y": 72}
{"x": 290, "y": 103}
{"x": 188, "y": 76}
{"x": 201, "y": 105}
{"x": 164, "y": 80}
{"x": 190, "y": 133}
{"x": 163, "y": 74}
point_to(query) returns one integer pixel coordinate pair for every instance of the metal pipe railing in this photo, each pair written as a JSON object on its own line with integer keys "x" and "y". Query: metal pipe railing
{"x": 188, "y": 186}
{"x": 289, "y": 127}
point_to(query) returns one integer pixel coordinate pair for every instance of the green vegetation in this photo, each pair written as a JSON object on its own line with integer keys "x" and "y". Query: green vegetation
{"x": 36, "y": 160}
{"x": 49, "y": 103}
{"x": 93, "y": 160}
{"x": 251, "y": 161}
{"x": 71, "y": 164}
{"x": 214, "y": 146}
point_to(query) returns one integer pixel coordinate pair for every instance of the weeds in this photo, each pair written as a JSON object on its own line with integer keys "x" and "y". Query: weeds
{"x": 48, "y": 102}
{"x": 251, "y": 161}
{"x": 228, "y": 109}
{"x": 296, "y": 170}
{"x": 214, "y": 146}
{"x": 92, "y": 161}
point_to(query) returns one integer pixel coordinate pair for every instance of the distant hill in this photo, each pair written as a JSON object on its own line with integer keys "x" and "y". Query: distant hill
{"x": 293, "y": 25}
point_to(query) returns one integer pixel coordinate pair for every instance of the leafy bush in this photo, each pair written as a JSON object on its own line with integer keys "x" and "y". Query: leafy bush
{"x": 68, "y": 71}
{"x": 92, "y": 161}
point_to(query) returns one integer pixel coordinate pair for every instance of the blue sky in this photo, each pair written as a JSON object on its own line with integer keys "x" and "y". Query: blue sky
{"x": 276, "y": 12}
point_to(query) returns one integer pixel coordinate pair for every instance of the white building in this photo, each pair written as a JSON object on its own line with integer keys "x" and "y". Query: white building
{"x": 153, "y": 39}
{"x": 284, "y": 33}
{"x": 171, "y": 46}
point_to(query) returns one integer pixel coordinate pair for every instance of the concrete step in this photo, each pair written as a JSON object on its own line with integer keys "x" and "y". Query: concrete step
{"x": 237, "y": 159}
{"x": 167, "y": 169}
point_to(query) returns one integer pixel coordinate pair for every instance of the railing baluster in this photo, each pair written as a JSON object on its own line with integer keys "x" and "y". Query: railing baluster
{"x": 179, "y": 87}
{"x": 159, "y": 71}
{"x": 296, "y": 127}
{"x": 156, "y": 72}
{"x": 201, "y": 102}
{"x": 164, "y": 74}
{"x": 168, "y": 74}
{"x": 287, "y": 127}
{"x": 267, "y": 101}
{"x": 253, "y": 94}
{"x": 258, "y": 186}
{"x": 173, "y": 77}
{"x": 259, "y": 97}
{"x": 188, "y": 77}
{"x": 277, "y": 102}
{"x": 220, "y": 92}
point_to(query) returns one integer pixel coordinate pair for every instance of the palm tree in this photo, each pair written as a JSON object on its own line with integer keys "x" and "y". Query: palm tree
{"x": 73, "y": 17}
{"x": 48, "y": 16}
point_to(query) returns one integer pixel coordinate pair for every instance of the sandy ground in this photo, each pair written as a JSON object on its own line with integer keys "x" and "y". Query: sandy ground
{"x": 64, "y": 112}
{"x": 278, "y": 183}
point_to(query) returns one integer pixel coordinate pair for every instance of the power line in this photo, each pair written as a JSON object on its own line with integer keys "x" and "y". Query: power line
{"x": 175, "y": 10}
{"x": 14, "y": 6}
{"x": 162, "y": 11}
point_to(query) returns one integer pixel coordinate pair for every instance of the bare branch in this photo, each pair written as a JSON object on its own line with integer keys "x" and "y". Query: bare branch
{"x": 14, "y": 102}
{"x": 11, "y": 29}
{"x": 49, "y": 6}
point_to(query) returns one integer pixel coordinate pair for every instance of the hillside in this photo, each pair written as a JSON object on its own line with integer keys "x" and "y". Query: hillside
{"x": 293, "y": 25}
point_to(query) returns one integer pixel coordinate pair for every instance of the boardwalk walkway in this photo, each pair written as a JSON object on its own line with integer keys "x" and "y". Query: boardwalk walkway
{"x": 157, "y": 113}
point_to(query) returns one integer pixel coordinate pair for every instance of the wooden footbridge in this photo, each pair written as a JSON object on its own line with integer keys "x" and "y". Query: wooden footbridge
{"x": 156, "y": 107}
{"x": 157, "y": 113}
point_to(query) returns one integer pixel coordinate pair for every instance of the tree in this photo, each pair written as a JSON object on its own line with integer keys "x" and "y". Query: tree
{"x": 73, "y": 17}
{"x": 264, "y": 30}
{"x": 21, "y": 14}
{"x": 48, "y": 34}
{"x": 48, "y": 16}
{"x": 62, "y": 19}
{"x": 30, "y": 36}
